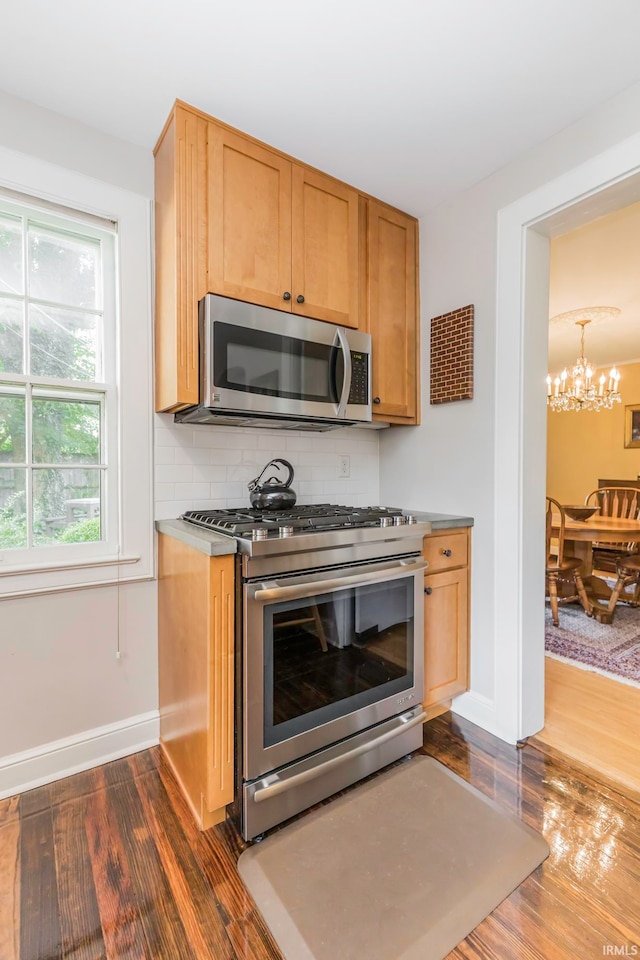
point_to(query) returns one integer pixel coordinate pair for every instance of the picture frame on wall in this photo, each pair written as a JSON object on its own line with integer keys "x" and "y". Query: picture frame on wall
{"x": 632, "y": 425}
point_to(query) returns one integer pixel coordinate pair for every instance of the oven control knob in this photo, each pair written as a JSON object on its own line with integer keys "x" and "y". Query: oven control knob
{"x": 259, "y": 534}
{"x": 411, "y": 519}
{"x": 397, "y": 521}
{"x": 285, "y": 531}
{"x": 385, "y": 521}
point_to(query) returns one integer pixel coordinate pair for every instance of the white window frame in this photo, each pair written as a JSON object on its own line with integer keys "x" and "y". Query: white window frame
{"x": 103, "y": 391}
{"x": 127, "y": 552}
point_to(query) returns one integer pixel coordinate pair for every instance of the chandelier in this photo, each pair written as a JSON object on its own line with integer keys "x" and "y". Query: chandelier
{"x": 582, "y": 389}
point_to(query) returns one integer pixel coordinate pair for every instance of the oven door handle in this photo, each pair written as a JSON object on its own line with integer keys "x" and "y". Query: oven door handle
{"x": 404, "y": 569}
{"x": 276, "y": 786}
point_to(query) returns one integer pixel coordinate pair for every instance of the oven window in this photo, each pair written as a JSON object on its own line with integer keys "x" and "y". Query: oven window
{"x": 334, "y": 653}
{"x": 258, "y": 362}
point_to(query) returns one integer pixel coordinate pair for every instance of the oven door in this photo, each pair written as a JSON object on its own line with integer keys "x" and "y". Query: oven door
{"x": 327, "y": 655}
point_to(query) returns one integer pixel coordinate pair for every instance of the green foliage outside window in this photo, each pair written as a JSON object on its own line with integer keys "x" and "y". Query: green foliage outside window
{"x": 62, "y": 344}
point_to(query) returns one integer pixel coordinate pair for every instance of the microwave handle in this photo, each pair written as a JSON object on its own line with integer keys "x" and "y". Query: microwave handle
{"x": 346, "y": 381}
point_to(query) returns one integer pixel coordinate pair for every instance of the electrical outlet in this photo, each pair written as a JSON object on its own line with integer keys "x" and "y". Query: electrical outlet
{"x": 344, "y": 466}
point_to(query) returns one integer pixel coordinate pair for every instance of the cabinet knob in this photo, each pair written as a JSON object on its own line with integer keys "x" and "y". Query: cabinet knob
{"x": 286, "y": 295}
{"x": 376, "y": 400}
{"x": 446, "y": 553}
{"x": 428, "y": 591}
{"x": 300, "y": 298}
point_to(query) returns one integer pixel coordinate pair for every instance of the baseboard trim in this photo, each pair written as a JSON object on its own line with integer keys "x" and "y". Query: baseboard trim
{"x": 62, "y": 758}
{"x": 479, "y": 710}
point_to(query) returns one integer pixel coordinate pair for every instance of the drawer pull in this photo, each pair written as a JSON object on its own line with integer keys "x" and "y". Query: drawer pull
{"x": 447, "y": 552}
{"x": 428, "y": 591}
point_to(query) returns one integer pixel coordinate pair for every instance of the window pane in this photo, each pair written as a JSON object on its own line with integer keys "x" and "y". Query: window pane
{"x": 65, "y": 431}
{"x": 11, "y": 337}
{"x": 63, "y": 268}
{"x": 66, "y": 506}
{"x": 12, "y": 428}
{"x": 13, "y": 512}
{"x": 11, "y": 274}
{"x": 64, "y": 344}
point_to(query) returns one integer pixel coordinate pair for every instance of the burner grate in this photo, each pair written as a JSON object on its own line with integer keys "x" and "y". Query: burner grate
{"x": 307, "y": 518}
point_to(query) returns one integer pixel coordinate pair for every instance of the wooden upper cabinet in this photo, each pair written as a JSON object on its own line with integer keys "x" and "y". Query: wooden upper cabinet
{"x": 181, "y": 255}
{"x": 325, "y": 248}
{"x": 392, "y": 312}
{"x": 249, "y": 220}
{"x": 237, "y": 218}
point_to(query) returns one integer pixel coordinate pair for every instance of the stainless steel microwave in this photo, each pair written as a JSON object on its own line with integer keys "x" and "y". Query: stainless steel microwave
{"x": 266, "y": 367}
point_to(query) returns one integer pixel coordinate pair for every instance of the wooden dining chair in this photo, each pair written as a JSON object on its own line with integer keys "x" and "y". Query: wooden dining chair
{"x": 621, "y": 502}
{"x": 628, "y": 570}
{"x": 562, "y": 568}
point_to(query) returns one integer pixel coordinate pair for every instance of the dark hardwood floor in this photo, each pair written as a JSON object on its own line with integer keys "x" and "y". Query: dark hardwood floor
{"x": 109, "y": 864}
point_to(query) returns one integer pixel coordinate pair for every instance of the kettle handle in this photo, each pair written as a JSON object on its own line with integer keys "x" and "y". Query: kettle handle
{"x": 285, "y": 463}
{"x": 255, "y": 484}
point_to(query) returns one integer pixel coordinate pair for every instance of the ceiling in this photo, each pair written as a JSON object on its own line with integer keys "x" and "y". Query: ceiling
{"x": 597, "y": 265}
{"x": 412, "y": 100}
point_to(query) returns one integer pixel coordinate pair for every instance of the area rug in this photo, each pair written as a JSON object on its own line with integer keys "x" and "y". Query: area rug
{"x": 402, "y": 867}
{"x": 614, "y": 647}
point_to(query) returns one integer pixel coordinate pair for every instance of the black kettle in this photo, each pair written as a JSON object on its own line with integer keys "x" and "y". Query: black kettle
{"x": 272, "y": 494}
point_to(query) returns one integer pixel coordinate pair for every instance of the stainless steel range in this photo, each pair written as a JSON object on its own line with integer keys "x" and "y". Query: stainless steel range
{"x": 330, "y": 646}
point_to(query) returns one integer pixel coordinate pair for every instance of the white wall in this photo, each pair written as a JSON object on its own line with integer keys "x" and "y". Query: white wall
{"x": 59, "y": 676}
{"x": 448, "y": 463}
{"x": 31, "y": 129}
{"x": 208, "y": 467}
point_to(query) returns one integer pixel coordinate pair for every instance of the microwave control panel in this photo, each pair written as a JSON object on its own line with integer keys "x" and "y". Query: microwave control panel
{"x": 359, "y": 392}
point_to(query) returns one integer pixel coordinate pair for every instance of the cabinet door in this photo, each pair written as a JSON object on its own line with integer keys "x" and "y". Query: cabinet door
{"x": 392, "y": 311}
{"x": 446, "y": 635}
{"x": 181, "y": 256}
{"x": 250, "y": 221}
{"x": 325, "y": 243}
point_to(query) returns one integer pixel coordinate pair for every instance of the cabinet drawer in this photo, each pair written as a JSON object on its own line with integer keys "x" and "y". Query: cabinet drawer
{"x": 446, "y": 551}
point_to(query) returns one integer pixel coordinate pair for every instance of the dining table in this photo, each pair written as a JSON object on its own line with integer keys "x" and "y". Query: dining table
{"x": 579, "y": 537}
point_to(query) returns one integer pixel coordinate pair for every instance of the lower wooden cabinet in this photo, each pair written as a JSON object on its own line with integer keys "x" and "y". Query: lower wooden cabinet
{"x": 196, "y": 674}
{"x": 446, "y": 619}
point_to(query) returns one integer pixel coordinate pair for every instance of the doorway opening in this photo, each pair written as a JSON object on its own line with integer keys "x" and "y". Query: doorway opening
{"x": 597, "y": 188}
{"x": 587, "y": 716}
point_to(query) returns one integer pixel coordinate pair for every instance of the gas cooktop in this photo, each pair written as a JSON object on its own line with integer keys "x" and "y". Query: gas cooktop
{"x": 259, "y": 524}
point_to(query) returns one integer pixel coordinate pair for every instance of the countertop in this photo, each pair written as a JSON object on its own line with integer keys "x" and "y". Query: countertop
{"x": 213, "y": 544}
{"x": 217, "y": 545}
{"x": 441, "y": 521}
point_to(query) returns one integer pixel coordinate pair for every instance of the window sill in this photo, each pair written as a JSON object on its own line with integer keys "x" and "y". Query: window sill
{"x": 61, "y": 576}
{"x": 59, "y": 565}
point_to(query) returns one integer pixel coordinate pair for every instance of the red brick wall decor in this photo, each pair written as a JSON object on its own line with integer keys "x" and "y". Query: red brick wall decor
{"x": 452, "y": 356}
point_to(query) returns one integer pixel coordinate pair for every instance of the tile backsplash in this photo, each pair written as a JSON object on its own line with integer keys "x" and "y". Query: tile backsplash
{"x": 208, "y": 467}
